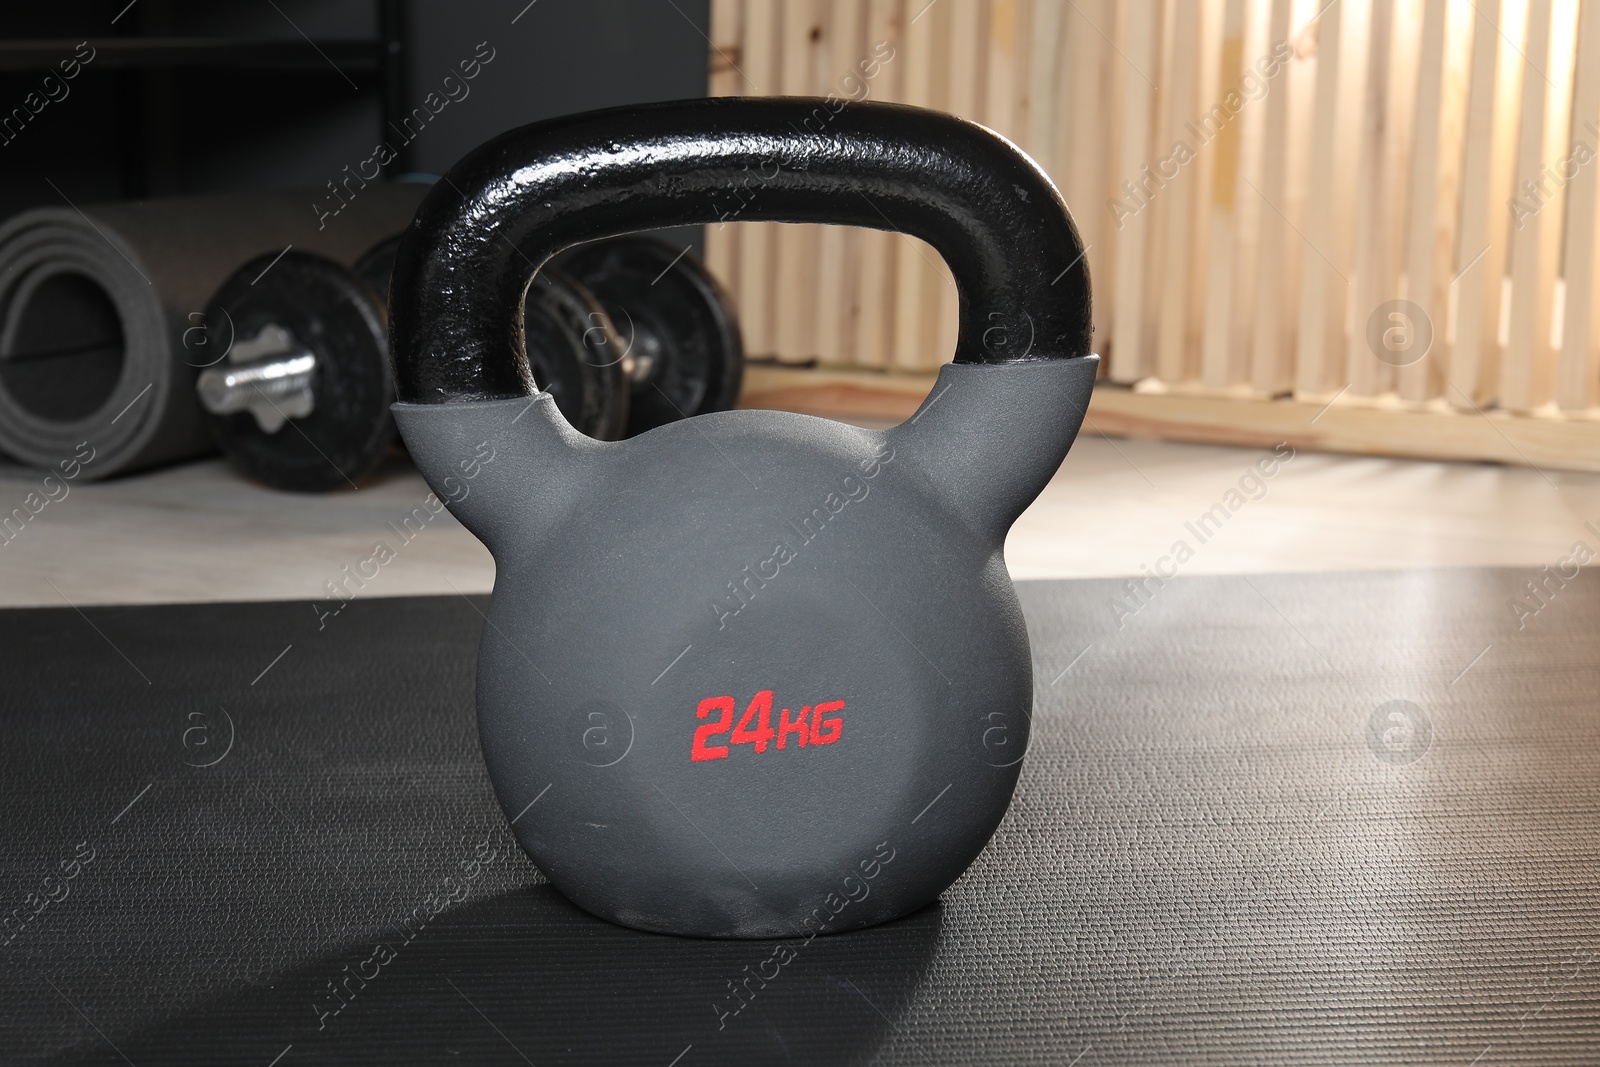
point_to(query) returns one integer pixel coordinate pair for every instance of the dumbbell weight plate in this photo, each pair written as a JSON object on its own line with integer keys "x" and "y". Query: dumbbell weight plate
{"x": 576, "y": 355}
{"x": 573, "y": 350}
{"x": 676, "y": 325}
{"x": 375, "y": 267}
{"x": 332, "y": 430}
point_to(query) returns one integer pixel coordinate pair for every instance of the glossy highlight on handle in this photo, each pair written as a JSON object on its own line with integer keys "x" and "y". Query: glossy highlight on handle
{"x": 456, "y": 329}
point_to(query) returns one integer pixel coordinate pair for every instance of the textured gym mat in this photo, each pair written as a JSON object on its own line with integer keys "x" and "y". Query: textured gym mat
{"x": 1324, "y": 819}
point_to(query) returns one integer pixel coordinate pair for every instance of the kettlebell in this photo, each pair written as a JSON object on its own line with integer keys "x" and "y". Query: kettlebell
{"x": 753, "y": 674}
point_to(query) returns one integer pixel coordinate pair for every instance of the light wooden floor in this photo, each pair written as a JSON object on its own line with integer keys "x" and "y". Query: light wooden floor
{"x": 198, "y": 532}
{"x": 1117, "y": 504}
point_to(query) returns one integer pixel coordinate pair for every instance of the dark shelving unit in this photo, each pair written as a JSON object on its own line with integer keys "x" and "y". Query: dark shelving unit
{"x": 170, "y": 106}
{"x": 131, "y": 53}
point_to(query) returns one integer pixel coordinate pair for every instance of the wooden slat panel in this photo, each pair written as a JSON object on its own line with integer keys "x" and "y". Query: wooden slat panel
{"x": 1136, "y": 31}
{"x": 1379, "y": 165}
{"x": 871, "y": 309}
{"x": 838, "y": 247}
{"x": 805, "y": 42}
{"x": 1318, "y": 313}
{"x": 1492, "y": 114}
{"x": 1300, "y": 84}
{"x": 757, "y": 261}
{"x": 1249, "y": 209}
{"x": 1044, "y": 90}
{"x": 1157, "y": 189}
{"x": 1224, "y": 147}
{"x": 1001, "y": 68}
{"x": 1552, "y": 220}
{"x": 1579, "y": 365}
{"x": 1348, "y": 167}
{"x": 1524, "y": 346}
{"x": 1069, "y": 79}
{"x": 1435, "y": 175}
{"x": 1176, "y": 340}
{"x": 1090, "y": 147}
{"x": 725, "y": 78}
{"x": 1398, "y": 145}
{"x": 969, "y": 48}
{"x": 925, "y": 73}
{"x": 1376, "y": 279}
{"x": 1270, "y": 341}
{"x": 1205, "y": 173}
{"x": 1527, "y": 376}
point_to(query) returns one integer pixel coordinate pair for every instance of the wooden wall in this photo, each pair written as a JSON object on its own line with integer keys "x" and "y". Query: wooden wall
{"x": 1281, "y": 198}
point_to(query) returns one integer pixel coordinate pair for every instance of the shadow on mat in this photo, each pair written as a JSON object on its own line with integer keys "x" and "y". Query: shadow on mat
{"x": 526, "y": 977}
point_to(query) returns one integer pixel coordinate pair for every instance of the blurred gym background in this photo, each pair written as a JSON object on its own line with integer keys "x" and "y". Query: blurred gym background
{"x": 1363, "y": 229}
{"x": 192, "y": 97}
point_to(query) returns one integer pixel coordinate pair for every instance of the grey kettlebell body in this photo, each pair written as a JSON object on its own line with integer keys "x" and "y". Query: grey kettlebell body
{"x": 752, "y": 674}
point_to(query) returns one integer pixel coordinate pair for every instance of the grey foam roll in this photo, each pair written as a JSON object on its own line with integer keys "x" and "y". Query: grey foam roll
{"x": 95, "y": 304}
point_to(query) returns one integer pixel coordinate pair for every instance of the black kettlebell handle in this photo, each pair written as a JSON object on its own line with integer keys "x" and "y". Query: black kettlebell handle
{"x": 513, "y": 203}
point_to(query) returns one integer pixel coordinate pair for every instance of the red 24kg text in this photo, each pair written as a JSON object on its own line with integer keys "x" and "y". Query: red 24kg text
{"x": 820, "y": 725}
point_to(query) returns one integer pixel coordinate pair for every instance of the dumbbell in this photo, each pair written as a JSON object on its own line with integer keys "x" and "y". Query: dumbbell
{"x": 300, "y": 400}
{"x": 685, "y": 352}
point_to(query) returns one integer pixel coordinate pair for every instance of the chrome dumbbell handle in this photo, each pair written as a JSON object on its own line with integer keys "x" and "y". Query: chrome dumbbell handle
{"x": 270, "y": 375}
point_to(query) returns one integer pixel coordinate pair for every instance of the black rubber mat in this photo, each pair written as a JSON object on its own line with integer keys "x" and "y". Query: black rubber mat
{"x": 1291, "y": 819}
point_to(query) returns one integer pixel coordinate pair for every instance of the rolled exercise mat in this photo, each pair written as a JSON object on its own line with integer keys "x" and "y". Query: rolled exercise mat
{"x": 95, "y": 305}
